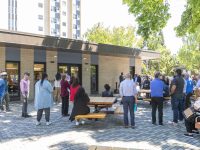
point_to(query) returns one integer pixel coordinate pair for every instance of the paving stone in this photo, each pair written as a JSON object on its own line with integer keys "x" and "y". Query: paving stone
{"x": 21, "y": 133}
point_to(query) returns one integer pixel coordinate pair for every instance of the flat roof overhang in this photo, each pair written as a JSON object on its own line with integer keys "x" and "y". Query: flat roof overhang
{"x": 66, "y": 44}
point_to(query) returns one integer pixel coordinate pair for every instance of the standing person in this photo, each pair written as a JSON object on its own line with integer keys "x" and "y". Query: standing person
{"x": 57, "y": 87}
{"x": 138, "y": 79}
{"x": 189, "y": 90}
{"x": 68, "y": 78}
{"x": 65, "y": 95}
{"x": 121, "y": 77}
{"x": 80, "y": 106}
{"x": 146, "y": 84}
{"x": 74, "y": 88}
{"x": 6, "y": 96}
{"x": 24, "y": 87}
{"x": 157, "y": 87}
{"x": 177, "y": 97}
{"x": 43, "y": 98}
{"x": 2, "y": 91}
{"x": 128, "y": 93}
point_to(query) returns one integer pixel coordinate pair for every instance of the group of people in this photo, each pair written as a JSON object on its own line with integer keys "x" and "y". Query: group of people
{"x": 180, "y": 90}
{"x": 65, "y": 87}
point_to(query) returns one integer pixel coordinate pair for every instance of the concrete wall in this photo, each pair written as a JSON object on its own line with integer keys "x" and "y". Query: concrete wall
{"x": 138, "y": 66}
{"x": 2, "y": 57}
{"x": 110, "y": 69}
{"x": 86, "y": 73}
{"x": 51, "y": 64}
{"x": 26, "y": 65}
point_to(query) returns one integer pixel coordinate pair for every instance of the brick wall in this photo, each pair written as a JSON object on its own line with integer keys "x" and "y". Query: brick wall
{"x": 2, "y": 57}
{"x": 110, "y": 68}
{"x": 51, "y": 64}
{"x": 27, "y": 60}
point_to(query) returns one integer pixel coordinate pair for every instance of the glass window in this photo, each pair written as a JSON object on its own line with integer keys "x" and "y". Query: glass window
{"x": 40, "y": 17}
{"x": 64, "y": 23}
{"x": 12, "y": 69}
{"x": 40, "y": 28}
{"x": 38, "y": 70}
{"x": 74, "y": 16}
{"x": 62, "y": 68}
{"x": 74, "y": 26}
{"x": 64, "y": 33}
{"x": 40, "y": 5}
{"x": 64, "y": 13}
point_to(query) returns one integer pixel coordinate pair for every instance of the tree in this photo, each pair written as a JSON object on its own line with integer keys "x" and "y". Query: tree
{"x": 151, "y": 15}
{"x": 190, "y": 19}
{"x": 189, "y": 54}
{"x": 121, "y": 36}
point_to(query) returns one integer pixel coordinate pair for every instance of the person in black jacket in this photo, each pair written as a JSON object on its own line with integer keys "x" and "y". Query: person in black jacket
{"x": 107, "y": 92}
{"x": 80, "y": 107}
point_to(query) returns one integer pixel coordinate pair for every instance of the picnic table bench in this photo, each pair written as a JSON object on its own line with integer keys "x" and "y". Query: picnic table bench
{"x": 91, "y": 116}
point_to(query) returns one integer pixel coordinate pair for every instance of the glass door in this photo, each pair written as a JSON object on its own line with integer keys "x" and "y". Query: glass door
{"x": 12, "y": 69}
{"x": 39, "y": 68}
{"x": 71, "y": 69}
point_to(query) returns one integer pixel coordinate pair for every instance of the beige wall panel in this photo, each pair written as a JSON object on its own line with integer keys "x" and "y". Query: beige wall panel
{"x": 51, "y": 64}
{"x": 86, "y": 73}
{"x": 110, "y": 69}
{"x": 2, "y": 57}
{"x": 26, "y": 65}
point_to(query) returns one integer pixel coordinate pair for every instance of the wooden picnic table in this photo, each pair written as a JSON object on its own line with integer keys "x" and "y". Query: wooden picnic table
{"x": 101, "y": 101}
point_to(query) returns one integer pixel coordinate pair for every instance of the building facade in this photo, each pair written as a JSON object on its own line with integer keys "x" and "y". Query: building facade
{"x": 60, "y": 18}
{"x": 94, "y": 64}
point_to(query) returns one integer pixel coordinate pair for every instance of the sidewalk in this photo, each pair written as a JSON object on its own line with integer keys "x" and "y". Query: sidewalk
{"x": 17, "y": 133}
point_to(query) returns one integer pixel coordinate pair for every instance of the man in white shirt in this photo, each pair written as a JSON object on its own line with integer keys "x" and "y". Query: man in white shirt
{"x": 128, "y": 93}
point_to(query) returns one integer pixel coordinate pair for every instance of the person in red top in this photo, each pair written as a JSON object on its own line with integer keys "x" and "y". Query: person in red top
{"x": 74, "y": 88}
{"x": 65, "y": 87}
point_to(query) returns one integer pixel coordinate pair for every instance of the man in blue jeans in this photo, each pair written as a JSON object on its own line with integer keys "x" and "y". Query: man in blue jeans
{"x": 128, "y": 93}
{"x": 177, "y": 97}
{"x": 157, "y": 87}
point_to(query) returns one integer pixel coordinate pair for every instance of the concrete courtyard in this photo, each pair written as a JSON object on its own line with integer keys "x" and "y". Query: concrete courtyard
{"x": 17, "y": 133}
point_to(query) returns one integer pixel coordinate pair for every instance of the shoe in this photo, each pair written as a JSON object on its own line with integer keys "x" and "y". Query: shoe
{"x": 82, "y": 122}
{"x": 125, "y": 126}
{"x": 48, "y": 123}
{"x": 161, "y": 124}
{"x": 173, "y": 123}
{"x": 77, "y": 123}
{"x": 195, "y": 131}
{"x": 68, "y": 115}
{"x": 189, "y": 135}
{"x": 133, "y": 127}
{"x": 27, "y": 116}
{"x": 154, "y": 124}
{"x": 38, "y": 123}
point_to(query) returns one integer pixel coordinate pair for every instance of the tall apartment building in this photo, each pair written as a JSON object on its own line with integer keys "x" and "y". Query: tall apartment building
{"x": 60, "y": 18}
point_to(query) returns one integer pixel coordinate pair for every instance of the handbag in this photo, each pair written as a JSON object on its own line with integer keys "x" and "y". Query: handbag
{"x": 189, "y": 113}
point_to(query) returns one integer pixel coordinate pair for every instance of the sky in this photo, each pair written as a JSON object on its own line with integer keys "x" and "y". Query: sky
{"x": 113, "y": 13}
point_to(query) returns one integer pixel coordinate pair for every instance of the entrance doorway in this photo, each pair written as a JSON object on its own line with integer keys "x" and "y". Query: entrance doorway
{"x": 39, "y": 68}
{"x": 13, "y": 71}
{"x": 72, "y": 69}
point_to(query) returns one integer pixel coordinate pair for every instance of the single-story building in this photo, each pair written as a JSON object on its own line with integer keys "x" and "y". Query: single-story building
{"x": 94, "y": 64}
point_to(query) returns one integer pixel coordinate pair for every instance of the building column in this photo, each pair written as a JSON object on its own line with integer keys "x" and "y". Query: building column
{"x": 27, "y": 65}
{"x": 2, "y": 57}
{"x": 86, "y": 73}
{"x": 51, "y": 64}
{"x": 138, "y": 66}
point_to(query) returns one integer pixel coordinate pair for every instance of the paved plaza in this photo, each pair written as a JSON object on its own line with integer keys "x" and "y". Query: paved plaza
{"x": 17, "y": 133}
